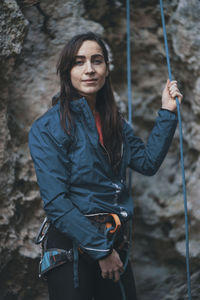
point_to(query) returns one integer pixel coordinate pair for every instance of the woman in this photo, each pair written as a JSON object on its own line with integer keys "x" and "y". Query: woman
{"x": 81, "y": 149}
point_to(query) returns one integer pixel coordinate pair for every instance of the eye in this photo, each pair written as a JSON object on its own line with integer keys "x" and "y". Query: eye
{"x": 97, "y": 61}
{"x": 78, "y": 62}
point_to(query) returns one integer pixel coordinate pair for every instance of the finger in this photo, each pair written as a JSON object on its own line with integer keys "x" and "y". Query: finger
{"x": 174, "y": 95}
{"x": 180, "y": 97}
{"x": 120, "y": 264}
{"x": 121, "y": 269}
{"x": 166, "y": 85}
{"x": 116, "y": 276}
{"x": 173, "y": 87}
{"x": 168, "y": 82}
{"x": 104, "y": 275}
{"x": 110, "y": 275}
{"x": 172, "y": 82}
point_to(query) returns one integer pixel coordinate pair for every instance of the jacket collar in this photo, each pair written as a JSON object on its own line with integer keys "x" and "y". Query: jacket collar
{"x": 79, "y": 104}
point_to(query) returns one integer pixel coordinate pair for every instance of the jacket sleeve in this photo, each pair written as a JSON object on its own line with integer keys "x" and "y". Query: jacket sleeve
{"x": 52, "y": 168}
{"x": 146, "y": 159}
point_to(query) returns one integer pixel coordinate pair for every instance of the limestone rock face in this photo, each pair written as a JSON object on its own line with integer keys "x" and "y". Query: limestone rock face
{"x": 12, "y": 30}
{"x": 32, "y": 36}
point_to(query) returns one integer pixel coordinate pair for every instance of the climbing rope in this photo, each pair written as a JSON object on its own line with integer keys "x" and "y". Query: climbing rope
{"x": 180, "y": 131}
{"x": 182, "y": 157}
{"x": 128, "y": 47}
{"x": 128, "y": 63}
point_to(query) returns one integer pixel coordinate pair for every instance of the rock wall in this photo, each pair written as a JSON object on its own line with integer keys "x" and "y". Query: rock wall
{"x": 32, "y": 35}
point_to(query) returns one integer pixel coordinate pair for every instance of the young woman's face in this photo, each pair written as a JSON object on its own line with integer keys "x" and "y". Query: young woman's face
{"x": 90, "y": 70}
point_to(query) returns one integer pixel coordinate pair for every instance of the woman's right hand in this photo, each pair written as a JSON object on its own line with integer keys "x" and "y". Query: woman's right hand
{"x": 111, "y": 266}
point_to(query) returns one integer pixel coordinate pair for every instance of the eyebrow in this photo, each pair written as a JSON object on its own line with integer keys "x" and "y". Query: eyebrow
{"x": 93, "y": 56}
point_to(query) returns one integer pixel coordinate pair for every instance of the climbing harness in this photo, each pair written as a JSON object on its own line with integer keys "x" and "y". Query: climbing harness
{"x": 107, "y": 223}
{"x": 50, "y": 258}
{"x": 53, "y": 258}
{"x": 182, "y": 157}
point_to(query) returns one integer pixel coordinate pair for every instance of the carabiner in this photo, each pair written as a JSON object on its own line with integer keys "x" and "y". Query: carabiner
{"x": 42, "y": 231}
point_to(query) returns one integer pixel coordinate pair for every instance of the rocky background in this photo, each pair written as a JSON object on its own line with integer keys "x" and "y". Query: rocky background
{"x": 32, "y": 33}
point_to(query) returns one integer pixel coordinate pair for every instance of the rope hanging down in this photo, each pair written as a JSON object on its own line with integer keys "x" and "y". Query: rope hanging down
{"x": 128, "y": 47}
{"x": 179, "y": 120}
{"x": 129, "y": 89}
{"x": 128, "y": 43}
{"x": 181, "y": 154}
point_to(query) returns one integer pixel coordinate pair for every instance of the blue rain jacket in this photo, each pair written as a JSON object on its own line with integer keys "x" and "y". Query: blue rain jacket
{"x": 75, "y": 176}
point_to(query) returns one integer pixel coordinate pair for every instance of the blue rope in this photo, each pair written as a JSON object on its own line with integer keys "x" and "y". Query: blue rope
{"x": 126, "y": 261}
{"x": 128, "y": 47}
{"x": 75, "y": 266}
{"x": 128, "y": 44}
{"x": 129, "y": 89}
{"x": 122, "y": 290}
{"x": 182, "y": 157}
{"x": 129, "y": 61}
{"x": 129, "y": 98}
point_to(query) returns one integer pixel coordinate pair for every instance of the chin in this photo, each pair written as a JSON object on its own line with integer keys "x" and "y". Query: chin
{"x": 89, "y": 91}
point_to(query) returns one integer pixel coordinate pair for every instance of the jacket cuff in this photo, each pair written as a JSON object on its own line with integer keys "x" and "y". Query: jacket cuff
{"x": 100, "y": 255}
{"x": 107, "y": 254}
{"x": 167, "y": 113}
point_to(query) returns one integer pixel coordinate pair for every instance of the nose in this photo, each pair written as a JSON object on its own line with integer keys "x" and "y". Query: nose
{"x": 89, "y": 68}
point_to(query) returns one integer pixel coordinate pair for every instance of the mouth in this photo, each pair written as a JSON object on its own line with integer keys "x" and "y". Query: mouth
{"x": 89, "y": 80}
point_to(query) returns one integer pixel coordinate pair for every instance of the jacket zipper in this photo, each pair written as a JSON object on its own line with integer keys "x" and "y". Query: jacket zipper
{"x": 103, "y": 145}
{"x": 99, "y": 141}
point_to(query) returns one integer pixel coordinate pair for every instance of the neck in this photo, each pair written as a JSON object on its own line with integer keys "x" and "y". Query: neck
{"x": 91, "y": 100}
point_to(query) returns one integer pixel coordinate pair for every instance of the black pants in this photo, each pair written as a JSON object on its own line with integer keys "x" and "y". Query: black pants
{"x": 91, "y": 284}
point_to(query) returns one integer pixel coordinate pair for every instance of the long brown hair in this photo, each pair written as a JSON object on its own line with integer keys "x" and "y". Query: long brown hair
{"x": 105, "y": 103}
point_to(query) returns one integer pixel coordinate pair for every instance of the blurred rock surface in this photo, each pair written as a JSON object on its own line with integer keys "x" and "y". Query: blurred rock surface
{"x": 29, "y": 47}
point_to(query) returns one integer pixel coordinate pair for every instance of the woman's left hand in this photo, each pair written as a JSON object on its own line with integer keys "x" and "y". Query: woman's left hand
{"x": 169, "y": 95}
